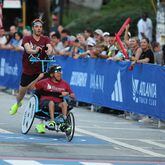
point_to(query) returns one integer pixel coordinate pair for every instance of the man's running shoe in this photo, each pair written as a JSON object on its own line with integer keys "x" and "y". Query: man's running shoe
{"x": 14, "y": 108}
{"x": 40, "y": 128}
{"x": 51, "y": 125}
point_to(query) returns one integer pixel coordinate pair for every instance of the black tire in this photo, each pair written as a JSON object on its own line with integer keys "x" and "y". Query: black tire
{"x": 70, "y": 121}
{"x": 29, "y": 114}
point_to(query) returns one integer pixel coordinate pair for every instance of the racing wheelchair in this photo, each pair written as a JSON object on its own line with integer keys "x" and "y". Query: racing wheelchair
{"x": 33, "y": 110}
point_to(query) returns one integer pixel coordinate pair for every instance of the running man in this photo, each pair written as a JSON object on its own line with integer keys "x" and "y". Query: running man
{"x": 36, "y": 46}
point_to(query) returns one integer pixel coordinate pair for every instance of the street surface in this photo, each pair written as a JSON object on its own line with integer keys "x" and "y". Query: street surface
{"x": 100, "y": 139}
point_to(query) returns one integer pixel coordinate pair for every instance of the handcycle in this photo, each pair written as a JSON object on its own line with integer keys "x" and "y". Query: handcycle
{"x": 33, "y": 110}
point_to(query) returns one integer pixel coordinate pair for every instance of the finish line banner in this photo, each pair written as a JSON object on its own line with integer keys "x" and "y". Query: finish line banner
{"x": 101, "y": 82}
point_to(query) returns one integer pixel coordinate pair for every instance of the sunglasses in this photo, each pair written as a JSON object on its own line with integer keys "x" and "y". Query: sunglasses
{"x": 58, "y": 70}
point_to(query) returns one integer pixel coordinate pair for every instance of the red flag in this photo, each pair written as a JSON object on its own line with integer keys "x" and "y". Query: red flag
{"x": 117, "y": 38}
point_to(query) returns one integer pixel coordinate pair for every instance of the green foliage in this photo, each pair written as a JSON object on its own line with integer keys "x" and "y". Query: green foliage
{"x": 111, "y": 16}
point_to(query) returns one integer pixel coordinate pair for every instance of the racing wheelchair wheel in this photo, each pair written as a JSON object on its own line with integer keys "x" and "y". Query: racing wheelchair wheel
{"x": 29, "y": 114}
{"x": 70, "y": 121}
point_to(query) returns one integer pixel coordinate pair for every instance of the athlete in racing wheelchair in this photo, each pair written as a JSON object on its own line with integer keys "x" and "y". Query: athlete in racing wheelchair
{"x": 50, "y": 93}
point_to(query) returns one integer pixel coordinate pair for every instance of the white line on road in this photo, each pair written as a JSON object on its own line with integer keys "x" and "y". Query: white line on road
{"x": 3, "y": 123}
{"x": 119, "y": 128}
{"x": 154, "y": 143}
{"x": 120, "y": 143}
{"x": 163, "y": 140}
{"x": 162, "y": 131}
{"x": 102, "y": 122}
{"x": 94, "y": 163}
{"x": 22, "y": 162}
{"x": 4, "y": 131}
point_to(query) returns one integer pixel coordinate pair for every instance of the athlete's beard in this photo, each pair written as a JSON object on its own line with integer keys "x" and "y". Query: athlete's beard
{"x": 58, "y": 80}
{"x": 38, "y": 34}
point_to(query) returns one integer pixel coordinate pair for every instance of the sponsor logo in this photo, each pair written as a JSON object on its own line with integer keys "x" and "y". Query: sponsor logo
{"x": 6, "y": 69}
{"x": 144, "y": 92}
{"x": 117, "y": 92}
{"x": 2, "y": 67}
{"x": 79, "y": 79}
{"x": 49, "y": 87}
{"x": 97, "y": 82}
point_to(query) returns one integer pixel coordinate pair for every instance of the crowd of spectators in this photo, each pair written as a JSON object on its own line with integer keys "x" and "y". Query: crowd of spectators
{"x": 12, "y": 40}
{"x": 99, "y": 44}
{"x": 95, "y": 43}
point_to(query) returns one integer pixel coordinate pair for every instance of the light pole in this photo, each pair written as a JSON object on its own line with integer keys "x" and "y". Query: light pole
{"x": 24, "y": 13}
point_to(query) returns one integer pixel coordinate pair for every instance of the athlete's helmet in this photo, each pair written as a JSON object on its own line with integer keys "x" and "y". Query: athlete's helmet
{"x": 55, "y": 69}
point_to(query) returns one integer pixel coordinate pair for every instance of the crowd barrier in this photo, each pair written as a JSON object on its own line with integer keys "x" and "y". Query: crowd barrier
{"x": 101, "y": 82}
{"x": 10, "y": 68}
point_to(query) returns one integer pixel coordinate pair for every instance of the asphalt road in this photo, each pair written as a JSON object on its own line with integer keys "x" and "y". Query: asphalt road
{"x": 100, "y": 139}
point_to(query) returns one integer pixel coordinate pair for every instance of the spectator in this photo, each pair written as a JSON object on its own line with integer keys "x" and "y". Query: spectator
{"x": 111, "y": 46}
{"x": 147, "y": 55}
{"x": 3, "y": 39}
{"x": 65, "y": 33}
{"x": 158, "y": 53}
{"x": 56, "y": 43}
{"x": 98, "y": 36}
{"x": 119, "y": 56}
{"x": 101, "y": 51}
{"x": 81, "y": 39}
{"x": 13, "y": 29}
{"x": 135, "y": 48}
{"x": 106, "y": 36}
{"x": 78, "y": 49}
{"x": 15, "y": 43}
{"x": 66, "y": 47}
{"x": 144, "y": 26}
{"x": 88, "y": 34}
{"x": 89, "y": 50}
{"x": 26, "y": 32}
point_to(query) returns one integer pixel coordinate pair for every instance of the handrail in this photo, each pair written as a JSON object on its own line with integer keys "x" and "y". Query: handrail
{"x": 42, "y": 62}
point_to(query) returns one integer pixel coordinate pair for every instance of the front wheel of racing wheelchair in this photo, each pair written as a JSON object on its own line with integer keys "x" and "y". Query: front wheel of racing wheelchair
{"x": 33, "y": 111}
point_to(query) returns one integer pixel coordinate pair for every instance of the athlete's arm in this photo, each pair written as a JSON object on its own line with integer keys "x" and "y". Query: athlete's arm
{"x": 49, "y": 49}
{"x": 29, "y": 49}
{"x": 72, "y": 95}
{"x": 63, "y": 94}
{"x": 69, "y": 90}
